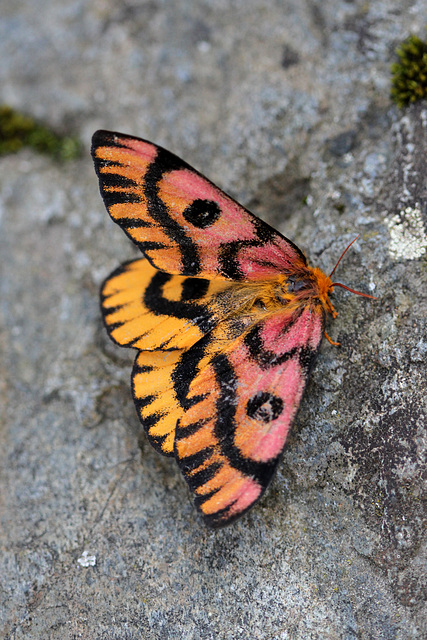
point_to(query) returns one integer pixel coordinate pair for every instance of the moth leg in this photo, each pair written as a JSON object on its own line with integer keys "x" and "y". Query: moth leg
{"x": 332, "y": 342}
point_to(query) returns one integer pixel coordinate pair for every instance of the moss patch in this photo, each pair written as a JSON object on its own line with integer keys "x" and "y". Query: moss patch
{"x": 18, "y": 130}
{"x": 409, "y": 75}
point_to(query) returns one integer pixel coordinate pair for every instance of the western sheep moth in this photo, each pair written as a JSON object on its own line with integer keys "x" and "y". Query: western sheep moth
{"x": 227, "y": 317}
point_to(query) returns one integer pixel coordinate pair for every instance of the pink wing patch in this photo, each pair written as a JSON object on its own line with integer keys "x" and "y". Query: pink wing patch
{"x": 231, "y": 240}
{"x": 275, "y": 358}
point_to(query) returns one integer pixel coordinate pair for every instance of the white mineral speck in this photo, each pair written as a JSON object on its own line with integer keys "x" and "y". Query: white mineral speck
{"x": 408, "y": 238}
{"x": 87, "y": 560}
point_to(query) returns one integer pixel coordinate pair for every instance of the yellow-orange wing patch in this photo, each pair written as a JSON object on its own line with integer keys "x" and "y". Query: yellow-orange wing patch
{"x": 155, "y": 398}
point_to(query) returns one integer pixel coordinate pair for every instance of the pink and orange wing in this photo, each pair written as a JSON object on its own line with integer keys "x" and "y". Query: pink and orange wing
{"x": 180, "y": 220}
{"x": 239, "y": 403}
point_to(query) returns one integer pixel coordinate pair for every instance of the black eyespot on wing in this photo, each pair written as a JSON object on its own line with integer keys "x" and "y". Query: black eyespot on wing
{"x": 264, "y": 407}
{"x": 202, "y": 213}
{"x": 194, "y": 288}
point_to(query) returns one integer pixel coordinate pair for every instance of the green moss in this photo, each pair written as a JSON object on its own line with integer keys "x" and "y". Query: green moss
{"x": 409, "y": 75}
{"x": 18, "y": 131}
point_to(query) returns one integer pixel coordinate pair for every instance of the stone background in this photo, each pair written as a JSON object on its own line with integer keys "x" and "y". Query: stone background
{"x": 285, "y": 104}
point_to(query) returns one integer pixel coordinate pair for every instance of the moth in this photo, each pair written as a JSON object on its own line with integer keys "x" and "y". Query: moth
{"x": 227, "y": 317}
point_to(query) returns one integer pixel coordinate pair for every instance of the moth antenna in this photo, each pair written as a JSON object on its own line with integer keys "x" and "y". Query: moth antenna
{"x": 342, "y": 255}
{"x": 358, "y": 293}
{"x": 338, "y": 284}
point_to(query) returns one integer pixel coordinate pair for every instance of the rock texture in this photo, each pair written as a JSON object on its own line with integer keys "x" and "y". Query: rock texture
{"x": 285, "y": 104}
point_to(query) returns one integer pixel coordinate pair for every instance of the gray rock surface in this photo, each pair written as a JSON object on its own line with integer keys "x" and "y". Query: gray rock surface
{"x": 285, "y": 104}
